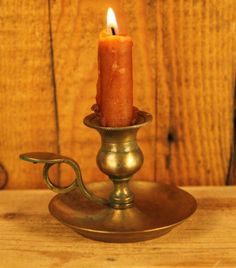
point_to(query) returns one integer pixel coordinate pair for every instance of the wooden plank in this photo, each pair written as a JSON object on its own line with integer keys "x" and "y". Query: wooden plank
{"x": 75, "y": 26}
{"x": 26, "y": 97}
{"x": 196, "y": 72}
{"x": 35, "y": 239}
{"x": 184, "y": 55}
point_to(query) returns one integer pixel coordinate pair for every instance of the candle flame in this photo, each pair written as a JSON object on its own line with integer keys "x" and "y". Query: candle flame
{"x": 111, "y": 20}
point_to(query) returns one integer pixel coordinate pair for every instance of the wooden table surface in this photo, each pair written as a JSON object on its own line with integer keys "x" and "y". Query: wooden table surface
{"x": 30, "y": 237}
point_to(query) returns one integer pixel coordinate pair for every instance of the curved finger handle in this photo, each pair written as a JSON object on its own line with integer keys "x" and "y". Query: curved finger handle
{"x": 50, "y": 159}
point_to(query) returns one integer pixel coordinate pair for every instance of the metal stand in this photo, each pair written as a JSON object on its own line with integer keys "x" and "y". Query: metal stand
{"x": 125, "y": 213}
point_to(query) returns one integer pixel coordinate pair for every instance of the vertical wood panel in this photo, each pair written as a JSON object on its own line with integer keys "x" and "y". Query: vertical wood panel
{"x": 195, "y": 65}
{"x": 141, "y": 25}
{"x": 76, "y": 26}
{"x": 26, "y": 96}
{"x": 184, "y": 71}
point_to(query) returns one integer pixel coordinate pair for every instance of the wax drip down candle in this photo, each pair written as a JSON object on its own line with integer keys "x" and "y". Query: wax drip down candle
{"x": 114, "y": 98}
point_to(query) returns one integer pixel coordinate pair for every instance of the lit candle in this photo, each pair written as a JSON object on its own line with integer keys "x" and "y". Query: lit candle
{"x": 115, "y": 82}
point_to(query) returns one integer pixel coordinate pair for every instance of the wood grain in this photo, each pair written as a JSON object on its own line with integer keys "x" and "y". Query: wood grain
{"x": 196, "y": 71}
{"x": 30, "y": 237}
{"x": 27, "y": 117}
{"x": 184, "y": 74}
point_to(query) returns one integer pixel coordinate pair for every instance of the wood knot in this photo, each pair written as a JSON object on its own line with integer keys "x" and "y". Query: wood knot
{"x": 111, "y": 259}
{"x": 3, "y": 177}
{"x": 10, "y": 215}
{"x": 171, "y": 137}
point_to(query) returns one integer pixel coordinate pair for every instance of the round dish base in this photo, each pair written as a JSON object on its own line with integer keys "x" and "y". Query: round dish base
{"x": 158, "y": 208}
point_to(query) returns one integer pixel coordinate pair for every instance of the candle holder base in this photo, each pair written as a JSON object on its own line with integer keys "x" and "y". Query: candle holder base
{"x": 128, "y": 211}
{"x": 157, "y": 209}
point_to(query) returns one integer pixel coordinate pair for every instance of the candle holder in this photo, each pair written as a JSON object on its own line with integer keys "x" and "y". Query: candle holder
{"x": 126, "y": 212}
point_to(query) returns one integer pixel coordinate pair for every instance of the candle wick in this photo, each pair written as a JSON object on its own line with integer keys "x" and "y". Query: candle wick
{"x": 113, "y": 31}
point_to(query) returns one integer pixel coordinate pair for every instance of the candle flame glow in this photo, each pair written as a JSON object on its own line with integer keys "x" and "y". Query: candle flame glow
{"x": 111, "y": 20}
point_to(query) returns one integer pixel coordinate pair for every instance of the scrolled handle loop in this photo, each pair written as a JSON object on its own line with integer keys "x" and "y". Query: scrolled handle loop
{"x": 52, "y": 186}
{"x": 49, "y": 159}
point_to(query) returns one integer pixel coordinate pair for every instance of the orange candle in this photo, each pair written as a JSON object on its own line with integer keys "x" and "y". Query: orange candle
{"x": 115, "y": 83}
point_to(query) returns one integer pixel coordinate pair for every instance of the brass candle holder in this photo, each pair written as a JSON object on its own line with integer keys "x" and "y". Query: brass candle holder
{"x": 130, "y": 211}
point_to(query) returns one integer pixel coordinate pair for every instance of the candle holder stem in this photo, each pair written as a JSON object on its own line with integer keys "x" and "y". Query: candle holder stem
{"x": 119, "y": 156}
{"x": 121, "y": 197}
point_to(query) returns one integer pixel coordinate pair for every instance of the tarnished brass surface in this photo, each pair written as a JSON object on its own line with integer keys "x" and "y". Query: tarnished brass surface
{"x": 119, "y": 156}
{"x": 120, "y": 213}
{"x": 50, "y": 159}
{"x": 157, "y": 209}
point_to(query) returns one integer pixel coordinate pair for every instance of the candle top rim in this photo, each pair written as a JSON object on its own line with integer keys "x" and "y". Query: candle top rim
{"x": 106, "y": 35}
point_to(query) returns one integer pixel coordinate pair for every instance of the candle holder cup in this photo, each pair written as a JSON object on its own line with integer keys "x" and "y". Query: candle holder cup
{"x": 124, "y": 212}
